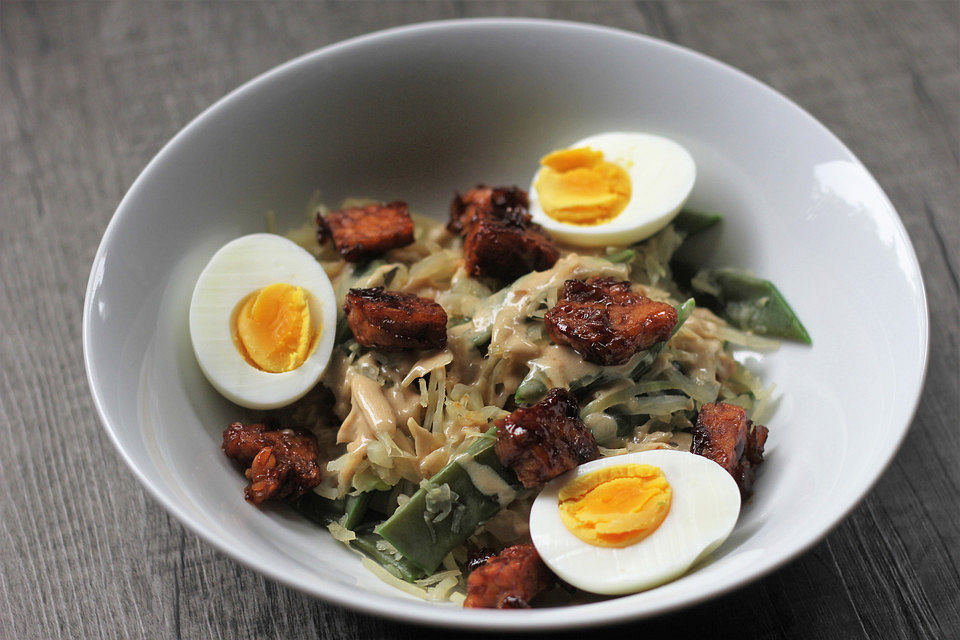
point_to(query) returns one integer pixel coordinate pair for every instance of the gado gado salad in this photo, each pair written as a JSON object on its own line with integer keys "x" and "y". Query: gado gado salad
{"x": 538, "y": 397}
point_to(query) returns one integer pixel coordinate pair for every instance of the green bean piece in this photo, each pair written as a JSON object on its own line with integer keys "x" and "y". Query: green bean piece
{"x": 356, "y": 508}
{"x": 323, "y": 511}
{"x": 531, "y": 389}
{"x": 318, "y": 509}
{"x": 424, "y": 538}
{"x": 693, "y": 222}
{"x": 749, "y": 303}
{"x": 402, "y": 568}
{"x": 385, "y": 502}
{"x": 626, "y": 423}
{"x": 482, "y": 339}
{"x": 684, "y": 311}
{"x": 587, "y": 382}
{"x": 622, "y": 256}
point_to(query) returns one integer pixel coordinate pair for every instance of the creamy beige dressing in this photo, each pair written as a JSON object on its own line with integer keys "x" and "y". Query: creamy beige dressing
{"x": 405, "y": 402}
{"x": 509, "y": 337}
{"x": 560, "y": 365}
{"x": 427, "y": 364}
{"x": 409, "y": 413}
{"x": 376, "y": 409}
{"x": 396, "y": 411}
{"x": 486, "y": 480}
{"x": 700, "y": 350}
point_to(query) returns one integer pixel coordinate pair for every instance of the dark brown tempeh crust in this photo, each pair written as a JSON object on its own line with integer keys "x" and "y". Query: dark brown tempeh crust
{"x": 360, "y": 233}
{"x": 282, "y": 463}
{"x": 544, "y": 440}
{"x": 725, "y": 435}
{"x": 509, "y": 580}
{"x": 606, "y": 322}
{"x": 500, "y": 239}
{"x": 393, "y": 320}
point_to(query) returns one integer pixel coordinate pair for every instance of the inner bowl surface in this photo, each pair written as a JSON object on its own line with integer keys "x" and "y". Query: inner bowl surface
{"x": 418, "y": 112}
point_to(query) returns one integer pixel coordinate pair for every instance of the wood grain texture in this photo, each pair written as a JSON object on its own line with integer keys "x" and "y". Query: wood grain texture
{"x": 90, "y": 91}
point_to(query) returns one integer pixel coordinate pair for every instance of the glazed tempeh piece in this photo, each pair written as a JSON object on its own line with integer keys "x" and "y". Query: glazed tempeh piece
{"x": 500, "y": 239}
{"x": 606, "y": 322}
{"x": 725, "y": 435}
{"x": 392, "y": 320}
{"x": 282, "y": 463}
{"x": 509, "y": 580}
{"x": 360, "y": 233}
{"x": 544, "y": 440}
{"x": 508, "y": 203}
{"x": 500, "y": 249}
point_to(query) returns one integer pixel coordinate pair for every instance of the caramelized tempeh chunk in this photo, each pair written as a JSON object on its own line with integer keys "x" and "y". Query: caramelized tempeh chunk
{"x": 363, "y": 232}
{"x": 282, "y": 464}
{"x": 606, "y": 322}
{"x": 507, "y": 203}
{"x": 501, "y": 241}
{"x": 508, "y": 580}
{"x": 725, "y": 435}
{"x": 544, "y": 440}
{"x": 391, "y": 320}
{"x": 504, "y": 251}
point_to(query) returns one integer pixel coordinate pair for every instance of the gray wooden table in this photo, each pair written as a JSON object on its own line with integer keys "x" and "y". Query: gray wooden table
{"x": 90, "y": 91}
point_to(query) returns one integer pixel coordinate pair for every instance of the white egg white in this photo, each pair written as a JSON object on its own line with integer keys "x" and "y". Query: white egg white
{"x": 662, "y": 174}
{"x": 238, "y": 269}
{"x": 704, "y": 509}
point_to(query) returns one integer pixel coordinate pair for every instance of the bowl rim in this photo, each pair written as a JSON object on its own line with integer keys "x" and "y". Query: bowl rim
{"x": 429, "y": 613}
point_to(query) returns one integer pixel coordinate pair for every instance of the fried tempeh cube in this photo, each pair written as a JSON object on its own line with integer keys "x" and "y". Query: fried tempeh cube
{"x": 508, "y": 203}
{"x": 282, "y": 463}
{"x": 500, "y": 239}
{"x": 544, "y": 440}
{"x": 724, "y": 434}
{"x": 360, "y": 233}
{"x": 508, "y": 580}
{"x": 392, "y": 320}
{"x": 606, "y": 322}
{"x": 500, "y": 249}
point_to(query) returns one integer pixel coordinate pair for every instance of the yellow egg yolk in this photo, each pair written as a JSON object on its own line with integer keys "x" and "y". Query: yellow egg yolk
{"x": 273, "y": 330}
{"x": 579, "y": 187}
{"x": 616, "y": 506}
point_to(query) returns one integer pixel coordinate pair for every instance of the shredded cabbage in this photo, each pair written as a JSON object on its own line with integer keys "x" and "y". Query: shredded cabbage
{"x": 443, "y": 400}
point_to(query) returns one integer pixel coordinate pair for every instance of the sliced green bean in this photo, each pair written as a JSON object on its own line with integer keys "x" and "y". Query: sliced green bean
{"x": 693, "y": 222}
{"x": 385, "y": 502}
{"x": 318, "y": 509}
{"x": 749, "y": 303}
{"x": 400, "y": 567}
{"x": 589, "y": 381}
{"x": 626, "y": 422}
{"x": 622, "y": 256}
{"x": 482, "y": 338}
{"x": 356, "y": 508}
{"x": 425, "y": 542}
{"x": 323, "y": 511}
{"x": 531, "y": 389}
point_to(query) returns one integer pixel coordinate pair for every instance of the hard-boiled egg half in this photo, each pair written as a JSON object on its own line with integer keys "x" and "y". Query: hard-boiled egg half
{"x": 627, "y": 523}
{"x": 262, "y": 321}
{"x": 611, "y": 188}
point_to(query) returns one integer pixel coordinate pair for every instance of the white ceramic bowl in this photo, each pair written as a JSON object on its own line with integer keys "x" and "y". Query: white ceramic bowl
{"x": 418, "y": 112}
